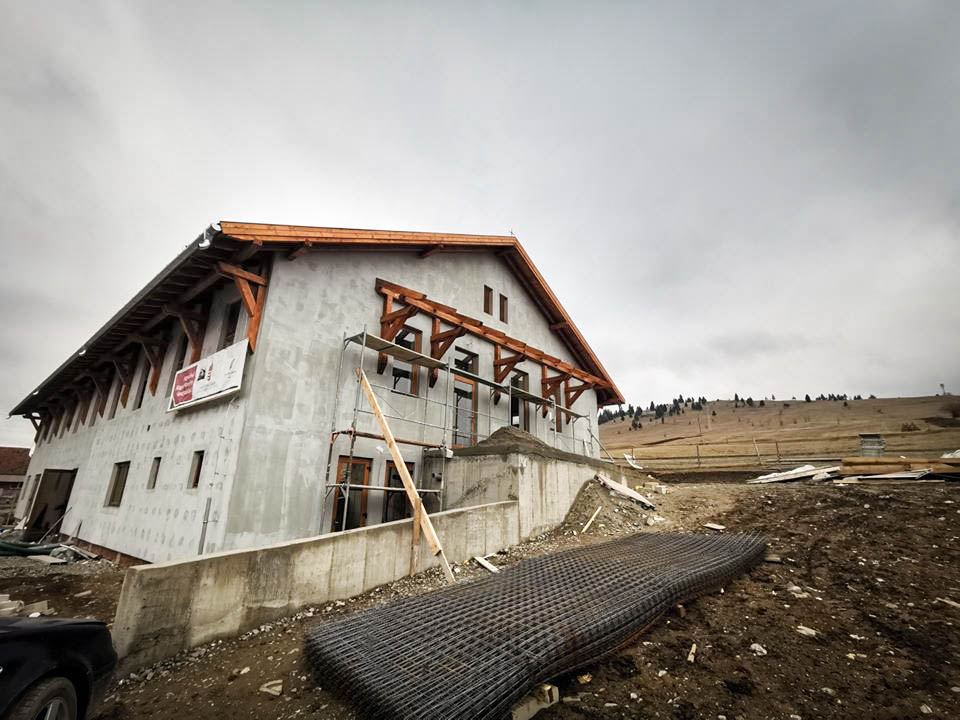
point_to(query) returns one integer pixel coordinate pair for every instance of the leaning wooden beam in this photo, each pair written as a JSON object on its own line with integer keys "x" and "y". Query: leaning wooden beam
{"x": 426, "y": 526}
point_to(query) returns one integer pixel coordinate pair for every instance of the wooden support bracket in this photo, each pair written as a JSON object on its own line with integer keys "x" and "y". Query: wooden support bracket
{"x": 154, "y": 348}
{"x": 124, "y": 369}
{"x": 253, "y": 302}
{"x": 440, "y": 343}
{"x": 194, "y": 326}
{"x": 391, "y": 322}
{"x": 549, "y": 385}
{"x": 572, "y": 393}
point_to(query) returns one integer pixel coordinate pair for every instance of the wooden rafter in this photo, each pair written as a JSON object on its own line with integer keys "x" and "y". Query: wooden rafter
{"x": 475, "y": 327}
{"x": 440, "y": 343}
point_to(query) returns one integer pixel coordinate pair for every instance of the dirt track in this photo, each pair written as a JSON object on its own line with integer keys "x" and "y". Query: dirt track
{"x": 869, "y": 562}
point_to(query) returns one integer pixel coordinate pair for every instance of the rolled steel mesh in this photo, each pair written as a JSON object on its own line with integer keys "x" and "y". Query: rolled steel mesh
{"x": 474, "y": 650}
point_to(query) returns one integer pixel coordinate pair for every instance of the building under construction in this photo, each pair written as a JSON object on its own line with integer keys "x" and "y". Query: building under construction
{"x": 219, "y": 409}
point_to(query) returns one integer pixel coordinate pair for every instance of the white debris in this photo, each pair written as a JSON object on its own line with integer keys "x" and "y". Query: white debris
{"x": 274, "y": 687}
{"x": 758, "y": 649}
{"x": 808, "y": 632}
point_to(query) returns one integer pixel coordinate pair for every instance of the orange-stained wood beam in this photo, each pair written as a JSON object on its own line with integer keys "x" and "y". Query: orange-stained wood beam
{"x": 450, "y": 316}
{"x": 194, "y": 326}
{"x": 440, "y": 343}
{"x": 572, "y": 393}
{"x": 253, "y": 326}
{"x": 233, "y": 271}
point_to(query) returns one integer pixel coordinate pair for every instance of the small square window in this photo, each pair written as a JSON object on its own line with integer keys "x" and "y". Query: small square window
{"x": 488, "y": 300}
{"x": 195, "y": 468}
{"x": 118, "y": 482}
{"x": 465, "y": 360}
{"x": 154, "y": 471}
{"x": 503, "y": 308}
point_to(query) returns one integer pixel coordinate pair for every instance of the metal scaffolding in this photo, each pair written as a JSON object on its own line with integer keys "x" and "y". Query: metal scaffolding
{"x": 369, "y": 342}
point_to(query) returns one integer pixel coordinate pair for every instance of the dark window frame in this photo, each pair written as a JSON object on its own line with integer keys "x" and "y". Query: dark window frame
{"x": 196, "y": 469}
{"x": 231, "y": 323}
{"x": 118, "y": 484}
{"x": 399, "y": 366}
{"x": 488, "y": 299}
{"x": 503, "y": 308}
{"x": 154, "y": 472}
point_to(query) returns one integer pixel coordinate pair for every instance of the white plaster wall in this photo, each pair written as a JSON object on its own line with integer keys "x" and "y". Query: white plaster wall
{"x": 163, "y": 523}
{"x": 312, "y": 302}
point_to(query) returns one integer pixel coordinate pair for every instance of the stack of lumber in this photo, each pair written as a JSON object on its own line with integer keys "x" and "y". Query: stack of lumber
{"x": 887, "y": 464}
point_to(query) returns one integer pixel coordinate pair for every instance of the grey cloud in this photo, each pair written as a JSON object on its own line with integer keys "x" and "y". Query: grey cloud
{"x": 741, "y": 197}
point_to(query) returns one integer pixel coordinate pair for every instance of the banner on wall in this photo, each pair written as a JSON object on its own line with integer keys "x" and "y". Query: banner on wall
{"x": 209, "y": 378}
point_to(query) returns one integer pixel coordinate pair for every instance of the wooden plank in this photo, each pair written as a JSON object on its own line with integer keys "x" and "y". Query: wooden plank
{"x": 234, "y": 271}
{"x": 426, "y": 526}
{"x": 253, "y": 327}
{"x": 624, "y": 490}
{"x": 592, "y": 518}
{"x": 486, "y": 564}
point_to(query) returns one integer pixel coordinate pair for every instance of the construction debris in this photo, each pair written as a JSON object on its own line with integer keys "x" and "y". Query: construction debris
{"x": 625, "y": 491}
{"x": 544, "y": 696}
{"x": 715, "y": 526}
{"x": 798, "y": 473}
{"x": 565, "y": 609}
{"x": 486, "y": 564}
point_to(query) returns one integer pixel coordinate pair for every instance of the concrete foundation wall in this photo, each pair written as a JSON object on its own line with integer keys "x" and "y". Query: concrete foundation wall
{"x": 545, "y": 487}
{"x": 169, "y": 607}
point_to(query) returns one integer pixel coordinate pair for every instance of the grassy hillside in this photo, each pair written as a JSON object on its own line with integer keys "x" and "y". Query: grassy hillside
{"x": 798, "y": 429}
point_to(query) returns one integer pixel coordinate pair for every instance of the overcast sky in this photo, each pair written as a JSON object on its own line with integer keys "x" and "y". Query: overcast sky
{"x": 727, "y": 197}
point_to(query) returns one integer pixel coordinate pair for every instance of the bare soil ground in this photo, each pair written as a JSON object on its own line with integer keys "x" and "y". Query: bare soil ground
{"x": 820, "y": 428}
{"x": 862, "y": 566}
{"x": 29, "y": 581}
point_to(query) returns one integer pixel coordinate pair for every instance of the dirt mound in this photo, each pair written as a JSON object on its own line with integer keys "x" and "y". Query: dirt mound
{"x": 618, "y": 515}
{"x": 509, "y": 440}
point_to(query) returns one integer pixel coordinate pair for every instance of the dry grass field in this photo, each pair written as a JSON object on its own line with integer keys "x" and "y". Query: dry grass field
{"x": 725, "y": 436}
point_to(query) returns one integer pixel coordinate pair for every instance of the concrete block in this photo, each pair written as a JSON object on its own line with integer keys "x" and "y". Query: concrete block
{"x": 47, "y": 560}
{"x": 543, "y": 697}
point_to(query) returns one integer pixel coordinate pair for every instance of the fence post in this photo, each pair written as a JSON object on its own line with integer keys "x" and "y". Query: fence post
{"x": 777, "y": 443}
{"x": 698, "y": 454}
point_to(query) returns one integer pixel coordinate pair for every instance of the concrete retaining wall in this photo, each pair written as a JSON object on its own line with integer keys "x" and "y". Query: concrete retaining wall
{"x": 169, "y": 607}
